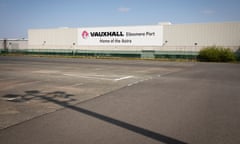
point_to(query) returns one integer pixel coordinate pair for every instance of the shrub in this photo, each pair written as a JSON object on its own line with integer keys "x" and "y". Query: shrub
{"x": 216, "y": 54}
{"x": 238, "y": 53}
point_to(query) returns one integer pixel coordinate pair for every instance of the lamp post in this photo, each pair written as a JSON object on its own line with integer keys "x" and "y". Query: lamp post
{"x": 164, "y": 44}
{"x": 43, "y": 47}
{"x": 44, "y": 42}
{"x": 74, "y": 49}
{"x": 195, "y": 48}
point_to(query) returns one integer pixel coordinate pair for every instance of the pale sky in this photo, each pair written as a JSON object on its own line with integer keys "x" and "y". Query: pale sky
{"x": 17, "y": 16}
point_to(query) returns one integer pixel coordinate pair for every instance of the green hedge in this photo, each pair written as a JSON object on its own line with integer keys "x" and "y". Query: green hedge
{"x": 238, "y": 54}
{"x": 217, "y": 54}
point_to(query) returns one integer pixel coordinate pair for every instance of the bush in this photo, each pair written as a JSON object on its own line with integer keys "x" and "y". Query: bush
{"x": 216, "y": 54}
{"x": 238, "y": 53}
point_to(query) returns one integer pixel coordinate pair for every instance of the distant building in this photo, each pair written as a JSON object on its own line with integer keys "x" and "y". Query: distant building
{"x": 147, "y": 41}
{"x": 13, "y": 44}
{"x": 165, "y": 36}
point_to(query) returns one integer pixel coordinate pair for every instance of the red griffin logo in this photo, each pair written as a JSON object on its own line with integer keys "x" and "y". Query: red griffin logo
{"x": 85, "y": 34}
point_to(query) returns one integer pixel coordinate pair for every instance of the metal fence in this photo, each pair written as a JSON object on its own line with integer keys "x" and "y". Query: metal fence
{"x": 143, "y": 54}
{"x": 164, "y": 52}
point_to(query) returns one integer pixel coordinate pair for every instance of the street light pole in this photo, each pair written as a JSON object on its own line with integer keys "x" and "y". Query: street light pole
{"x": 74, "y": 49}
{"x": 195, "y": 48}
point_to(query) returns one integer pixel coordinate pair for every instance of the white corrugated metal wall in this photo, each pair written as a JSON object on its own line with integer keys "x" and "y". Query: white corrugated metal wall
{"x": 62, "y": 38}
{"x": 13, "y": 44}
{"x": 186, "y": 35}
{"x": 179, "y": 37}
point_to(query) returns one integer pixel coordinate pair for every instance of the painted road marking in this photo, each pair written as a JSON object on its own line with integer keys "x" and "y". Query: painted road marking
{"x": 139, "y": 81}
{"x": 102, "y": 77}
{"x": 96, "y": 76}
{"x": 123, "y": 78}
{"x": 89, "y": 77}
{"x": 77, "y": 84}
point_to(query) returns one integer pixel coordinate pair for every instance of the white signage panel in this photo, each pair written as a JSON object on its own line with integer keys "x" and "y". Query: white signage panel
{"x": 121, "y": 36}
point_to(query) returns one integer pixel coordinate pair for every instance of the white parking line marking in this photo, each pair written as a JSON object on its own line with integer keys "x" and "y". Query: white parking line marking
{"x": 77, "y": 84}
{"x": 123, "y": 78}
{"x": 89, "y": 77}
{"x": 139, "y": 81}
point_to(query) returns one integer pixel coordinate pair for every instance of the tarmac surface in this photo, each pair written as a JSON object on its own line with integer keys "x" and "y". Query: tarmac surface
{"x": 59, "y": 100}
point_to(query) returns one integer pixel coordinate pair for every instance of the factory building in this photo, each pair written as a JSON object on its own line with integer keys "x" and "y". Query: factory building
{"x": 145, "y": 41}
{"x": 219, "y": 34}
{"x": 11, "y": 45}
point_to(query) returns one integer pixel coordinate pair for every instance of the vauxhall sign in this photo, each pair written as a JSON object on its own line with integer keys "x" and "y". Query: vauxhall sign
{"x": 126, "y": 36}
{"x": 85, "y": 34}
{"x": 107, "y": 34}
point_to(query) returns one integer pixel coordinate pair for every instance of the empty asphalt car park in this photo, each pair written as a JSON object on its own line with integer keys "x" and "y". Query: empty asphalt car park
{"x": 59, "y": 100}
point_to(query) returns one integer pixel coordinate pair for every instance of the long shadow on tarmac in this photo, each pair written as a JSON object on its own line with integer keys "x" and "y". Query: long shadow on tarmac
{"x": 66, "y": 98}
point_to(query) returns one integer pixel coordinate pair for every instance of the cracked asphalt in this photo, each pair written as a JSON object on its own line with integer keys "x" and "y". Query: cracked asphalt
{"x": 59, "y": 100}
